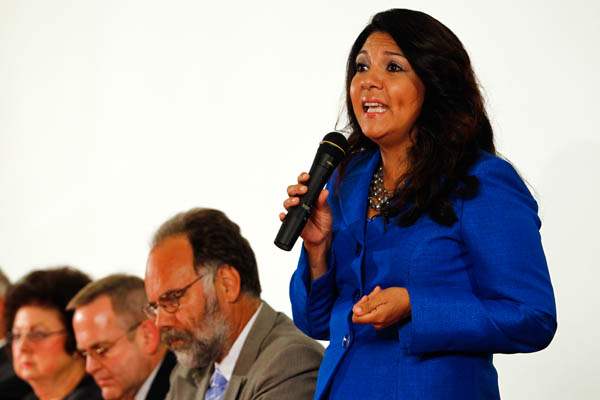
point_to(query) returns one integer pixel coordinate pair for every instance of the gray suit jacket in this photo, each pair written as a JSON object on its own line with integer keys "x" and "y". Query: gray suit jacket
{"x": 277, "y": 361}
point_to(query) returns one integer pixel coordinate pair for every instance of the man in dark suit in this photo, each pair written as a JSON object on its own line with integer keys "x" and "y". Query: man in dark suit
{"x": 11, "y": 387}
{"x": 204, "y": 292}
{"x": 122, "y": 347}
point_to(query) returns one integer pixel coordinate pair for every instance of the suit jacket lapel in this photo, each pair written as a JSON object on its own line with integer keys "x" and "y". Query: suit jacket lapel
{"x": 250, "y": 350}
{"x": 234, "y": 386}
{"x": 201, "y": 380}
{"x": 262, "y": 326}
{"x": 160, "y": 384}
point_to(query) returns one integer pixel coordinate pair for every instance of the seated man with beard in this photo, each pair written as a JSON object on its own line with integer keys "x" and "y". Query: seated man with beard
{"x": 204, "y": 295}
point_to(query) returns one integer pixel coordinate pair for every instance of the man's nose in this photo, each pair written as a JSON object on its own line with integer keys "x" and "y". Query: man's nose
{"x": 163, "y": 318}
{"x": 91, "y": 364}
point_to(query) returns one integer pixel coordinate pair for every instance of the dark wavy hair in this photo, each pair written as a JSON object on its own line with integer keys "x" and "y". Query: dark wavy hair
{"x": 452, "y": 126}
{"x": 51, "y": 289}
{"x": 215, "y": 239}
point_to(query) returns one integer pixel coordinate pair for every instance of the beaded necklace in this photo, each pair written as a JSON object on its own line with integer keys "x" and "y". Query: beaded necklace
{"x": 379, "y": 196}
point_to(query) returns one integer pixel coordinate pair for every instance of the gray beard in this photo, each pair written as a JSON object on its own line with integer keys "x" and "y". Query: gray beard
{"x": 205, "y": 344}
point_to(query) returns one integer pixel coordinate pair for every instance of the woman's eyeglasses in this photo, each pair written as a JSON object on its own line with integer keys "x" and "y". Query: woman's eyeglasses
{"x": 169, "y": 301}
{"x": 33, "y": 336}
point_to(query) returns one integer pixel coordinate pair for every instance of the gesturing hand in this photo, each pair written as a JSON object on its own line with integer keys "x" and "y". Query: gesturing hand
{"x": 382, "y": 307}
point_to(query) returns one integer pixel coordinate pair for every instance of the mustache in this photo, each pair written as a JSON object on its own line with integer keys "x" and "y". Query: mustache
{"x": 169, "y": 335}
{"x": 203, "y": 342}
{"x": 191, "y": 351}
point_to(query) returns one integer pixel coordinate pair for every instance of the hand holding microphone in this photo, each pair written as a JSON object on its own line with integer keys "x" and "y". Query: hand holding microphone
{"x": 318, "y": 227}
{"x": 308, "y": 214}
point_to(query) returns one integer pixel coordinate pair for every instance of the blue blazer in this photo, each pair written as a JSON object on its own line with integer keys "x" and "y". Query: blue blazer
{"x": 476, "y": 288}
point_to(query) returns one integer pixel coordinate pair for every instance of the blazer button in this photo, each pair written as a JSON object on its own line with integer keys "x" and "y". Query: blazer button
{"x": 346, "y": 341}
{"x": 358, "y": 248}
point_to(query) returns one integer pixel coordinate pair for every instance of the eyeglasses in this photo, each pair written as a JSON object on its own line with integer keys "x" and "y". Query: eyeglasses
{"x": 100, "y": 351}
{"x": 33, "y": 336}
{"x": 169, "y": 301}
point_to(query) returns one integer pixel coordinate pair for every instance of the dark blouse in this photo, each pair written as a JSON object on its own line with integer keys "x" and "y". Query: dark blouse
{"x": 85, "y": 390}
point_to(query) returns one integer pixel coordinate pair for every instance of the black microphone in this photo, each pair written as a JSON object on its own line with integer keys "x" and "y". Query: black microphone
{"x": 331, "y": 151}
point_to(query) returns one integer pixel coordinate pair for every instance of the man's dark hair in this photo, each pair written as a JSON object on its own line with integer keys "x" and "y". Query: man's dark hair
{"x": 215, "y": 240}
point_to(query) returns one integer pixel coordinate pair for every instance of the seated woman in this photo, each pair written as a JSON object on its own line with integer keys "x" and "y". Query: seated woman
{"x": 41, "y": 336}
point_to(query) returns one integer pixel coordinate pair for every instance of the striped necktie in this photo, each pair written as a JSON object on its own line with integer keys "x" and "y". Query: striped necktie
{"x": 217, "y": 386}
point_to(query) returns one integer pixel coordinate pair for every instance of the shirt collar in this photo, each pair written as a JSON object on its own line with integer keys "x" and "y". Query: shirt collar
{"x": 228, "y": 364}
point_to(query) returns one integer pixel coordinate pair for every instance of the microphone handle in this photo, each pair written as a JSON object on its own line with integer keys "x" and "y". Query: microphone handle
{"x": 298, "y": 216}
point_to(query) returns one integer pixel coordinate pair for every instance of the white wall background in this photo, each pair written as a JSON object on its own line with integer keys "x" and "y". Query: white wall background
{"x": 116, "y": 114}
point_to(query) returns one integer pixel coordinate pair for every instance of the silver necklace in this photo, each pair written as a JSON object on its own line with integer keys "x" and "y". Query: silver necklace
{"x": 379, "y": 196}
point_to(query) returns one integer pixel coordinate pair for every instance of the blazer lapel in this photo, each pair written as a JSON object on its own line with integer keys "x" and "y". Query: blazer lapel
{"x": 160, "y": 384}
{"x": 250, "y": 350}
{"x": 202, "y": 379}
{"x": 233, "y": 387}
{"x": 354, "y": 192}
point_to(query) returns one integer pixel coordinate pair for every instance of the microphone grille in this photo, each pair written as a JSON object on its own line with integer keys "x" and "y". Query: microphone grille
{"x": 335, "y": 144}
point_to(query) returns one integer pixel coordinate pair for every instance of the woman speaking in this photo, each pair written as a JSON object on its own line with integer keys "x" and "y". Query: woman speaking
{"x": 422, "y": 257}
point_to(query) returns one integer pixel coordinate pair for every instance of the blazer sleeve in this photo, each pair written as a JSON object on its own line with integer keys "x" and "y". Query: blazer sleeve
{"x": 312, "y": 301}
{"x": 510, "y": 307}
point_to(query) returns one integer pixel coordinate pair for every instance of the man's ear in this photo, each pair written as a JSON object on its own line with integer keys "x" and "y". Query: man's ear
{"x": 228, "y": 283}
{"x": 150, "y": 337}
